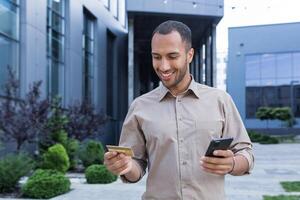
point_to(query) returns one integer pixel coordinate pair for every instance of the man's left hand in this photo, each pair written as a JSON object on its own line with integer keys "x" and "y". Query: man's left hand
{"x": 221, "y": 165}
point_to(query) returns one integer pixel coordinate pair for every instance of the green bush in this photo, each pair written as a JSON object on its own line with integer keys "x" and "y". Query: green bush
{"x": 99, "y": 174}
{"x": 91, "y": 152}
{"x": 46, "y": 184}
{"x": 72, "y": 150}
{"x": 56, "y": 158}
{"x": 12, "y": 168}
{"x": 261, "y": 138}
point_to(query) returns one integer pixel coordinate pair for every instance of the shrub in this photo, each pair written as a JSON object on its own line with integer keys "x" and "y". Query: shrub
{"x": 46, "y": 184}
{"x": 262, "y": 139}
{"x": 72, "y": 150}
{"x": 54, "y": 131}
{"x": 91, "y": 152}
{"x": 99, "y": 174}
{"x": 56, "y": 158}
{"x": 12, "y": 168}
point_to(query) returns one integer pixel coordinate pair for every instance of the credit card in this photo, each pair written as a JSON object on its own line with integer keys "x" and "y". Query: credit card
{"x": 126, "y": 150}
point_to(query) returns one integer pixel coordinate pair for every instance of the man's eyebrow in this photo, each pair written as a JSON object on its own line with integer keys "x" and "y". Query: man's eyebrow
{"x": 153, "y": 53}
{"x": 173, "y": 53}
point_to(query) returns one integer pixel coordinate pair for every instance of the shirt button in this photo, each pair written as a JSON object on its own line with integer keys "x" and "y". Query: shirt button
{"x": 179, "y": 100}
{"x": 181, "y": 140}
{"x": 184, "y": 162}
{"x": 180, "y": 118}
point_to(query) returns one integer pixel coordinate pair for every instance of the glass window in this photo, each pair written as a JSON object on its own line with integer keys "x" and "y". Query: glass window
{"x": 55, "y": 46}
{"x": 284, "y": 65}
{"x": 277, "y": 71}
{"x": 267, "y": 66}
{"x": 9, "y": 35}
{"x": 296, "y": 64}
{"x": 9, "y": 19}
{"x": 57, "y": 6}
{"x": 88, "y": 41}
{"x": 55, "y": 78}
{"x": 252, "y": 67}
{"x": 9, "y": 56}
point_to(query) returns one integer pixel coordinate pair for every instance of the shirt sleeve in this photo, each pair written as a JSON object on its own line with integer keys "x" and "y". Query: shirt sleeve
{"x": 133, "y": 136}
{"x": 235, "y": 128}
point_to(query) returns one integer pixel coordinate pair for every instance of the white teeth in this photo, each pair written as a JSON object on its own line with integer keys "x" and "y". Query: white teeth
{"x": 166, "y": 74}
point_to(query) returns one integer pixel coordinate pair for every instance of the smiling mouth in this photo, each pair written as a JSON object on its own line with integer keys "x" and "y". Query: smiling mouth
{"x": 166, "y": 76}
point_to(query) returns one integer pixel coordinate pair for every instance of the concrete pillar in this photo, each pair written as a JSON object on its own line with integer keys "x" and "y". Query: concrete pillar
{"x": 130, "y": 60}
{"x": 208, "y": 63}
{"x": 214, "y": 55}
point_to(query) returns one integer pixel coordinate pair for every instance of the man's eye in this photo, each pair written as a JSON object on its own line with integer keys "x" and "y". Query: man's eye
{"x": 156, "y": 57}
{"x": 173, "y": 56}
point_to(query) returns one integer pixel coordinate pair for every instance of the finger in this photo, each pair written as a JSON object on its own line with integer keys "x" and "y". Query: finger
{"x": 216, "y": 167}
{"x": 223, "y": 153}
{"x": 215, "y": 160}
{"x": 119, "y": 164}
{"x": 110, "y": 155}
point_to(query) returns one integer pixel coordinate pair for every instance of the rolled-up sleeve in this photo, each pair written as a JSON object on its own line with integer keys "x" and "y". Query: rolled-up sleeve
{"x": 234, "y": 127}
{"x": 132, "y": 136}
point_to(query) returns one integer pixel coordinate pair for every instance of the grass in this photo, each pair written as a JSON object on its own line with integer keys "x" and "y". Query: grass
{"x": 282, "y": 197}
{"x": 291, "y": 186}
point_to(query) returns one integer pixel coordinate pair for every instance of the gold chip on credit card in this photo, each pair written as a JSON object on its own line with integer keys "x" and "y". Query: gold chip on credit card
{"x": 126, "y": 150}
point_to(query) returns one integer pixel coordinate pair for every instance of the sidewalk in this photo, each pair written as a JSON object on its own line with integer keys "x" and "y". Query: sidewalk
{"x": 273, "y": 163}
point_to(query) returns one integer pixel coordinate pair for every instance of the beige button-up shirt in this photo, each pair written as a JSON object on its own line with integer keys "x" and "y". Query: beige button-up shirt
{"x": 169, "y": 135}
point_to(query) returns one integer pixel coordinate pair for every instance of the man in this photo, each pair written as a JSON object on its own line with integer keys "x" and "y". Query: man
{"x": 169, "y": 129}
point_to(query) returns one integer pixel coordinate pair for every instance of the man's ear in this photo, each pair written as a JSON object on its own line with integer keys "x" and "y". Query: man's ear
{"x": 190, "y": 55}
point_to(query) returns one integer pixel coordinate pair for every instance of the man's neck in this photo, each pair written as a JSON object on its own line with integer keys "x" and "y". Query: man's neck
{"x": 183, "y": 88}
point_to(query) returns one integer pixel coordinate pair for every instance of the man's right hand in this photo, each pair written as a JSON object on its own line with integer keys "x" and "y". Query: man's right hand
{"x": 118, "y": 163}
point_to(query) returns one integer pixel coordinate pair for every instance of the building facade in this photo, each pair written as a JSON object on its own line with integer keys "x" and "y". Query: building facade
{"x": 99, "y": 50}
{"x": 264, "y": 70}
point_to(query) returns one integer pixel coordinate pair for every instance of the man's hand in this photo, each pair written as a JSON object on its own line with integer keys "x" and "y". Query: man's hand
{"x": 218, "y": 165}
{"x": 118, "y": 163}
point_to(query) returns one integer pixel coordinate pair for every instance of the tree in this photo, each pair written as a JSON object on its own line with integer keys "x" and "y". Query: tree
{"x": 84, "y": 121}
{"x": 21, "y": 119}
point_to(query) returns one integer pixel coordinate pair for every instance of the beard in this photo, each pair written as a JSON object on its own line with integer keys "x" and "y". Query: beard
{"x": 179, "y": 75}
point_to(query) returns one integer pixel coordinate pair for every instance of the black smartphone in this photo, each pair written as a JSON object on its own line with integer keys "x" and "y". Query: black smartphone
{"x": 218, "y": 144}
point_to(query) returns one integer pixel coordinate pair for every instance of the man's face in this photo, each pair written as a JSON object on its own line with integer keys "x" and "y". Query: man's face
{"x": 170, "y": 59}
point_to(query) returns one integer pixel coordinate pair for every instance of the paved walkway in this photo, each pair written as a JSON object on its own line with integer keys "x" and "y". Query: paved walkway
{"x": 273, "y": 163}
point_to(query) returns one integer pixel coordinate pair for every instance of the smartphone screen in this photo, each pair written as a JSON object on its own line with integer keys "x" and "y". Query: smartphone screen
{"x": 218, "y": 144}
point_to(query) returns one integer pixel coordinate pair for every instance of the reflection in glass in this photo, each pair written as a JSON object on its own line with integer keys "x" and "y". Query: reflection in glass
{"x": 88, "y": 55}
{"x": 268, "y": 81}
{"x": 9, "y": 19}
{"x": 296, "y": 65}
{"x": 268, "y": 66}
{"x": 9, "y": 56}
{"x": 55, "y": 45}
{"x": 284, "y": 65}
{"x": 252, "y": 67}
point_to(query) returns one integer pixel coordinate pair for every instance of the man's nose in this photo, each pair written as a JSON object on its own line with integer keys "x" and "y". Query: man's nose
{"x": 165, "y": 65}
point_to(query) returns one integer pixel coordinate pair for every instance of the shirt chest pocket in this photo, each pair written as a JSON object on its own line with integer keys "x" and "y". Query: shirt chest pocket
{"x": 209, "y": 129}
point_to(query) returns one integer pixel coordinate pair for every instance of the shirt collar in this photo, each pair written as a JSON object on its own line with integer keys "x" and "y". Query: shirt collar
{"x": 192, "y": 87}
